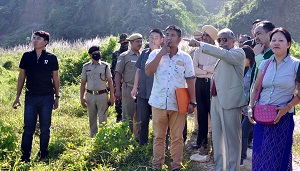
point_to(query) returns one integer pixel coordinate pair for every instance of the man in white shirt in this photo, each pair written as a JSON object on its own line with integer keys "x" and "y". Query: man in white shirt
{"x": 172, "y": 68}
{"x": 204, "y": 66}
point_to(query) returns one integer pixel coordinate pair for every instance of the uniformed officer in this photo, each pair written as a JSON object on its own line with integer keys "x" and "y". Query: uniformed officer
{"x": 126, "y": 68}
{"x": 96, "y": 74}
{"x": 123, "y": 47}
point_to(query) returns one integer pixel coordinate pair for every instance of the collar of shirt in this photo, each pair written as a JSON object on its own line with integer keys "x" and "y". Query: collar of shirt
{"x": 98, "y": 63}
{"x": 148, "y": 50}
{"x": 267, "y": 50}
{"x": 43, "y": 52}
{"x": 286, "y": 59}
{"x": 131, "y": 52}
{"x": 177, "y": 53}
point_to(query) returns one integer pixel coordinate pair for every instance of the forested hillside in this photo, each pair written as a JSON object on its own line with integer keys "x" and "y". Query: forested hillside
{"x": 239, "y": 15}
{"x": 74, "y": 19}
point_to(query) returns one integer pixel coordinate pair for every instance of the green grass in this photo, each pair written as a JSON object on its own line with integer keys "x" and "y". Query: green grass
{"x": 70, "y": 147}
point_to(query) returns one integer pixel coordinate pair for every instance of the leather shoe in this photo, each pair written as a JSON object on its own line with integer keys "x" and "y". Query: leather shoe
{"x": 195, "y": 146}
{"x": 242, "y": 162}
{"x": 250, "y": 145}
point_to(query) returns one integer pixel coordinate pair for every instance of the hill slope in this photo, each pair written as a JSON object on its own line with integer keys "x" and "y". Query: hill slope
{"x": 74, "y": 19}
{"x": 239, "y": 15}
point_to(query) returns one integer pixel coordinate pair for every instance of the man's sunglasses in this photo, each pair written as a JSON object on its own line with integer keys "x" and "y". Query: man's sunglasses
{"x": 222, "y": 39}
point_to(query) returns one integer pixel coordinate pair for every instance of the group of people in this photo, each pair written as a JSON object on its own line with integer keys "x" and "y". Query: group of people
{"x": 222, "y": 81}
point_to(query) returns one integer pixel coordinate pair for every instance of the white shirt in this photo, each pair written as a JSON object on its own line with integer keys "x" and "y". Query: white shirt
{"x": 208, "y": 62}
{"x": 171, "y": 73}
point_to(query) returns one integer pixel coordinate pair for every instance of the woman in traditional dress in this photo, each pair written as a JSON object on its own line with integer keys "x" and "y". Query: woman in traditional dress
{"x": 272, "y": 144}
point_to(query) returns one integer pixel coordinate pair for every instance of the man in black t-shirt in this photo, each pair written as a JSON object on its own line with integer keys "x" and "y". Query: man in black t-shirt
{"x": 40, "y": 70}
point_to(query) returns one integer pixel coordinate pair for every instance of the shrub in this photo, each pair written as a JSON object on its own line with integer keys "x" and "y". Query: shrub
{"x": 107, "y": 49}
{"x": 7, "y": 141}
{"x": 71, "y": 68}
{"x": 295, "y": 50}
{"x": 112, "y": 143}
{"x": 8, "y": 65}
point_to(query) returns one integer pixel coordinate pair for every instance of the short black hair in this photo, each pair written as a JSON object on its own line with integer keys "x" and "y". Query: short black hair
{"x": 42, "y": 34}
{"x": 246, "y": 36}
{"x": 249, "y": 54}
{"x": 93, "y": 49}
{"x": 157, "y": 31}
{"x": 256, "y": 21}
{"x": 175, "y": 28}
{"x": 267, "y": 25}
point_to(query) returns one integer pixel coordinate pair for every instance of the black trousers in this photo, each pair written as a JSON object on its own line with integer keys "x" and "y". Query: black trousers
{"x": 203, "y": 108}
{"x": 144, "y": 113}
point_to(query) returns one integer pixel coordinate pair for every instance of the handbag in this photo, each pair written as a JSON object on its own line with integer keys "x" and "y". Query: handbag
{"x": 264, "y": 114}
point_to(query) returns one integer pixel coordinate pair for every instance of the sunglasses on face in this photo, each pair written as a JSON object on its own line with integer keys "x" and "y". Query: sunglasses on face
{"x": 222, "y": 39}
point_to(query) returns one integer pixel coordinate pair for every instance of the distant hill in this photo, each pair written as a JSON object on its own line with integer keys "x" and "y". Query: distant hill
{"x": 75, "y": 19}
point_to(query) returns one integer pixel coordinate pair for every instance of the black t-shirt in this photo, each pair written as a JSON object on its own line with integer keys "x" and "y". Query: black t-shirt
{"x": 39, "y": 72}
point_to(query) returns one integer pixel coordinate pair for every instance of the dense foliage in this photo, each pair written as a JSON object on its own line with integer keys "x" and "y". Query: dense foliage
{"x": 74, "y": 19}
{"x": 239, "y": 15}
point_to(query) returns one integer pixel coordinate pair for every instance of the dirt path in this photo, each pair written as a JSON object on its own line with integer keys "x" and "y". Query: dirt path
{"x": 209, "y": 166}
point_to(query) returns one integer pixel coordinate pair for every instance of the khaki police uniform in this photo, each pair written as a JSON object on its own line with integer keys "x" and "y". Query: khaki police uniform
{"x": 96, "y": 94}
{"x": 126, "y": 67}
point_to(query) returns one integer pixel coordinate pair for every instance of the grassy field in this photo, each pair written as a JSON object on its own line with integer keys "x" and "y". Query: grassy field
{"x": 70, "y": 147}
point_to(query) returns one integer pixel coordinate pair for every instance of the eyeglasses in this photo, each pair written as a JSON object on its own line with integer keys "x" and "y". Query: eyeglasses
{"x": 222, "y": 39}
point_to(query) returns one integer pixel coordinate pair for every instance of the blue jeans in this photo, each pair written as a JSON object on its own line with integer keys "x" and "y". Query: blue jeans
{"x": 247, "y": 127}
{"x": 41, "y": 107}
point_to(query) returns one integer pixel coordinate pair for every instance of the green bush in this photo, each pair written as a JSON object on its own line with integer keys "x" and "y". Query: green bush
{"x": 71, "y": 67}
{"x": 8, "y": 65}
{"x": 295, "y": 50}
{"x": 107, "y": 49}
{"x": 114, "y": 146}
{"x": 112, "y": 143}
{"x": 8, "y": 141}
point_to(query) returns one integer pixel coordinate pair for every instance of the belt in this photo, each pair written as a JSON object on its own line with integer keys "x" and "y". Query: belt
{"x": 129, "y": 85}
{"x": 205, "y": 79}
{"x": 97, "y": 92}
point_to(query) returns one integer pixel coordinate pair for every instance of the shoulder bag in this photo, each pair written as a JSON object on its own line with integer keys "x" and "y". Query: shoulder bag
{"x": 264, "y": 114}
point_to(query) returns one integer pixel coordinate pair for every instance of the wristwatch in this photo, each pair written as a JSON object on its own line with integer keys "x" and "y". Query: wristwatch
{"x": 193, "y": 104}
